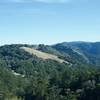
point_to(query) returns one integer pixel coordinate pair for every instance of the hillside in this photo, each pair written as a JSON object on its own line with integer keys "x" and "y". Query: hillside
{"x": 90, "y": 52}
{"x": 41, "y": 72}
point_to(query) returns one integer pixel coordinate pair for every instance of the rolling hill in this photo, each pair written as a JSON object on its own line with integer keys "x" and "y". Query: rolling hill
{"x": 64, "y": 71}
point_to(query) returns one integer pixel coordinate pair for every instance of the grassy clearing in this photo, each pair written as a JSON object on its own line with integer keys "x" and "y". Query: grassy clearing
{"x": 43, "y": 55}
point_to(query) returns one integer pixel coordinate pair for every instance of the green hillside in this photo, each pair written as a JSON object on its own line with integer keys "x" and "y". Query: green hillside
{"x": 37, "y": 72}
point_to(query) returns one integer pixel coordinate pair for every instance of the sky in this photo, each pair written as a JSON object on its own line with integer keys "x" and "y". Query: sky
{"x": 49, "y": 21}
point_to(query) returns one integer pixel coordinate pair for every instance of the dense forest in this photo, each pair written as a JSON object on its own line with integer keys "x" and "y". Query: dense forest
{"x": 24, "y": 76}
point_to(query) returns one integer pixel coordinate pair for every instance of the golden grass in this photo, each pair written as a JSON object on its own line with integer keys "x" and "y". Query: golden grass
{"x": 43, "y": 55}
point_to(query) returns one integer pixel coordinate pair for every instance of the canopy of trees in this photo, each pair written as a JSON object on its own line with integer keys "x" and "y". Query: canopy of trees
{"x": 26, "y": 77}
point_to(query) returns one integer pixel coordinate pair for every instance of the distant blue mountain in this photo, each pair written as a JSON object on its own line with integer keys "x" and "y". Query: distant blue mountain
{"x": 89, "y": 50}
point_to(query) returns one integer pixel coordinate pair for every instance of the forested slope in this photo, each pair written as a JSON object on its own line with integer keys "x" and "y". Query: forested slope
{"x": 24, "y": 76}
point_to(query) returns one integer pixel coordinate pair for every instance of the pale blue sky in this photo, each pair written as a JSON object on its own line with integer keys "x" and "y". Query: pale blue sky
{"x": 49, "y": 21}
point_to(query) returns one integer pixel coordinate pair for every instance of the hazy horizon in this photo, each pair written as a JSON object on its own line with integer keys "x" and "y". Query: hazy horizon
{"x": 48, "y": 44}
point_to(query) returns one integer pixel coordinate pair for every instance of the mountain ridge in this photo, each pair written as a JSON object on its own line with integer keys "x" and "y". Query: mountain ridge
{"x": 88, "y": 52}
